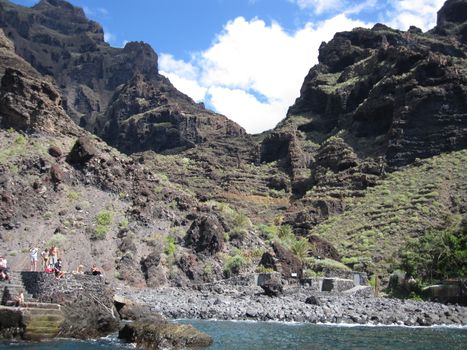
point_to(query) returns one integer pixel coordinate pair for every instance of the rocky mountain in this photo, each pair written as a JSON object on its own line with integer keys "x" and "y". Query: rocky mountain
{"x": 115, "y": 93}
{"x": 102, "y": 156}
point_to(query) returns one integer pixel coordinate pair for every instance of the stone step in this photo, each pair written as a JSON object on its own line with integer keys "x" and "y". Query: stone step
{"x": 41, "y": 312}
{"x": 40, "y": 334}
{"x": 48, "y": 306}
{"x": 44, "y": 320}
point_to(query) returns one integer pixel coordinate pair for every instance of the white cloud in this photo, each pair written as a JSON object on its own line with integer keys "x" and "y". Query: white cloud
{"x": 245, "y": 109}
{"x": 320, "y": 6}
{"x": 253, "y": 71}
{"x": 420, "y": 13}
{"x": 109, "y": 37}
{"x": 100, "y": 11}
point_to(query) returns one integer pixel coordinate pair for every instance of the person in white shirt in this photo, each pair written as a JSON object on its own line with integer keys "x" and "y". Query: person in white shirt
{"x": 33, "y": 255}
{"x": 4, "y": 269}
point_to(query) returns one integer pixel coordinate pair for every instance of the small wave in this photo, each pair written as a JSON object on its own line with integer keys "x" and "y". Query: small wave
{"x": 327, "y": 324}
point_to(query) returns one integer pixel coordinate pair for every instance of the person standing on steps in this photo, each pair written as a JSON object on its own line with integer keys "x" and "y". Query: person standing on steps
{"x": 45, "y": 258}
{"x": 4, "y": 270}
{"x": 33, "y": 255}
{"x": 53, "y": 256}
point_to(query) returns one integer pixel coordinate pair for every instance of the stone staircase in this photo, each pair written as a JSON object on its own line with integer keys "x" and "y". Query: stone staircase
{"x": 42, "y": 320}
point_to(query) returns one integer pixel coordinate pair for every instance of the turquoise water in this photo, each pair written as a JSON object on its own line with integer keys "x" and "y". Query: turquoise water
{"x": 271, "y": 336}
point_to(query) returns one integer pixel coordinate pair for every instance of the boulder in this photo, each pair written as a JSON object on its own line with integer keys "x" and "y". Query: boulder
{"x": 313, "y": 300}
{"x": 272, "y": 287}
{"x": 154, "y": 335}
{"x": 191, "y": 266}
{"x": 137, "y": 311}
{"x": 323, "y": 248}
{"x": 153, "y": 271}
{"x": 55, "y": 151}
{"x": 205, "y": 235}
{"x": 289, "y": 263}
{"x": 82, "y": 152}
{"x": 268, "y": 261}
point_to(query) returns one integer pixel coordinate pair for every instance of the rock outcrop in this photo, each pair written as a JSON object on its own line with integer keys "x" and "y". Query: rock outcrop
{"x": 150, "y": 335}
{"x": 206, "y": 235}
{"x": 115, "y": 93}
{"x": 399, "y": 95}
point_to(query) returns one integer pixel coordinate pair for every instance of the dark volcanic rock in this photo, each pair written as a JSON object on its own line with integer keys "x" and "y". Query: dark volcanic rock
{"x": 323, "y": 248}
{"x": 31, "y": 104}
{"x": 452, "y": 19}
{"x": 82, "y": 152}
{"x": 150, "y": 335}
{"x": 153, "y": 270}
{"x": 288, "y": 263}
{"x": 272, "y": 287}
{"x": 392, "y": 94}
{"x": 116, "y": 93}
{"x": 206, "y": 235}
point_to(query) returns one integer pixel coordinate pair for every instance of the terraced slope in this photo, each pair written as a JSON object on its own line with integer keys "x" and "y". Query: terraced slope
{"x": 375, "y": 229}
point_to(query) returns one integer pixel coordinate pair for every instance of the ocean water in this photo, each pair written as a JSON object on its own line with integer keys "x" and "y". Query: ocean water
{"x": 232, "y": 335}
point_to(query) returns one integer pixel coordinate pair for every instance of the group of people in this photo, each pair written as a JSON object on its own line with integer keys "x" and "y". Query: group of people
{"x": 52, "y": 263}
{"x": 50, "y": 260}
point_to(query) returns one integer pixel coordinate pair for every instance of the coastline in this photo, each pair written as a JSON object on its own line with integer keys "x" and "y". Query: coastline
{"x": 238, "y": 303}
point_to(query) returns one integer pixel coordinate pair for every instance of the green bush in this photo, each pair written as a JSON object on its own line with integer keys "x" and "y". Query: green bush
{"x": 301, "y": 248}
{"x": 267, "y": 231}
{"x": 263, "y": 269}
{"x": 237, "y": 233}
{"x": 57, "y": 240}
{"x": 240, "y": 220}
{"x": 284, "y": 231}
{"x": 104, "y": 218}
{"x": 437, "y": 254}
{"x": 124, "y": 224}
{"x": 21, "y": 140}
{"x": 72, "y": 195}
{"x": 208, "y": 269}
{"x": 170, "y": 246}
{"x": 100, "y": 232}
{"x": 233, "y": 264}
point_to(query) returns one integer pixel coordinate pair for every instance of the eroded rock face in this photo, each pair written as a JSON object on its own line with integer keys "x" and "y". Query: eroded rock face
{"x": 397, "y": 95}
{"x": 30, "y": 104}
{"x": 452, "y": 18}
{"x": 116, "y": 93}
{"x": 153, "y": 271}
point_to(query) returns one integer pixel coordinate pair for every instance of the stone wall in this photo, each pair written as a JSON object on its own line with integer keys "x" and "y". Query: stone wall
{"x": 46, "y": 288}
{"x": 360, "y": 278}
{"x": 87, "y": 302}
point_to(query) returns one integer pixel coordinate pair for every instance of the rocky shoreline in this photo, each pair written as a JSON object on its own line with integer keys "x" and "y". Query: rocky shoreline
{"x": 296, "y": 305}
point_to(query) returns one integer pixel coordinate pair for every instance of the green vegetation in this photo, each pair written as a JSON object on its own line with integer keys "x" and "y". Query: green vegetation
{"x": 57, "y": 240}
{"x": 301, "y": 248}
{"x": 208, "y": 269}
{"x": 404, "y": 206}
{"x": 73, "y": 196}
{"x": 124, "y": 224}
{"x": 321, "y": 264}
{"x": 170, "y": 246}
{"x": 438, "y": 254}
{"x": 103, "y": 222}
{"x": 104, "y": 218}
{"x": 233, "y": 264}
{"x": 262, "y": 269}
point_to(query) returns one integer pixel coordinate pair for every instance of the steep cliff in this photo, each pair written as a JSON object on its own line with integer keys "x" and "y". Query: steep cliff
{"x": 116, "y": 93}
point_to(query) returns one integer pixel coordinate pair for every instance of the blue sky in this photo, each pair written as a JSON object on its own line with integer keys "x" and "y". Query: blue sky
{"x": 245, "y": 59}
